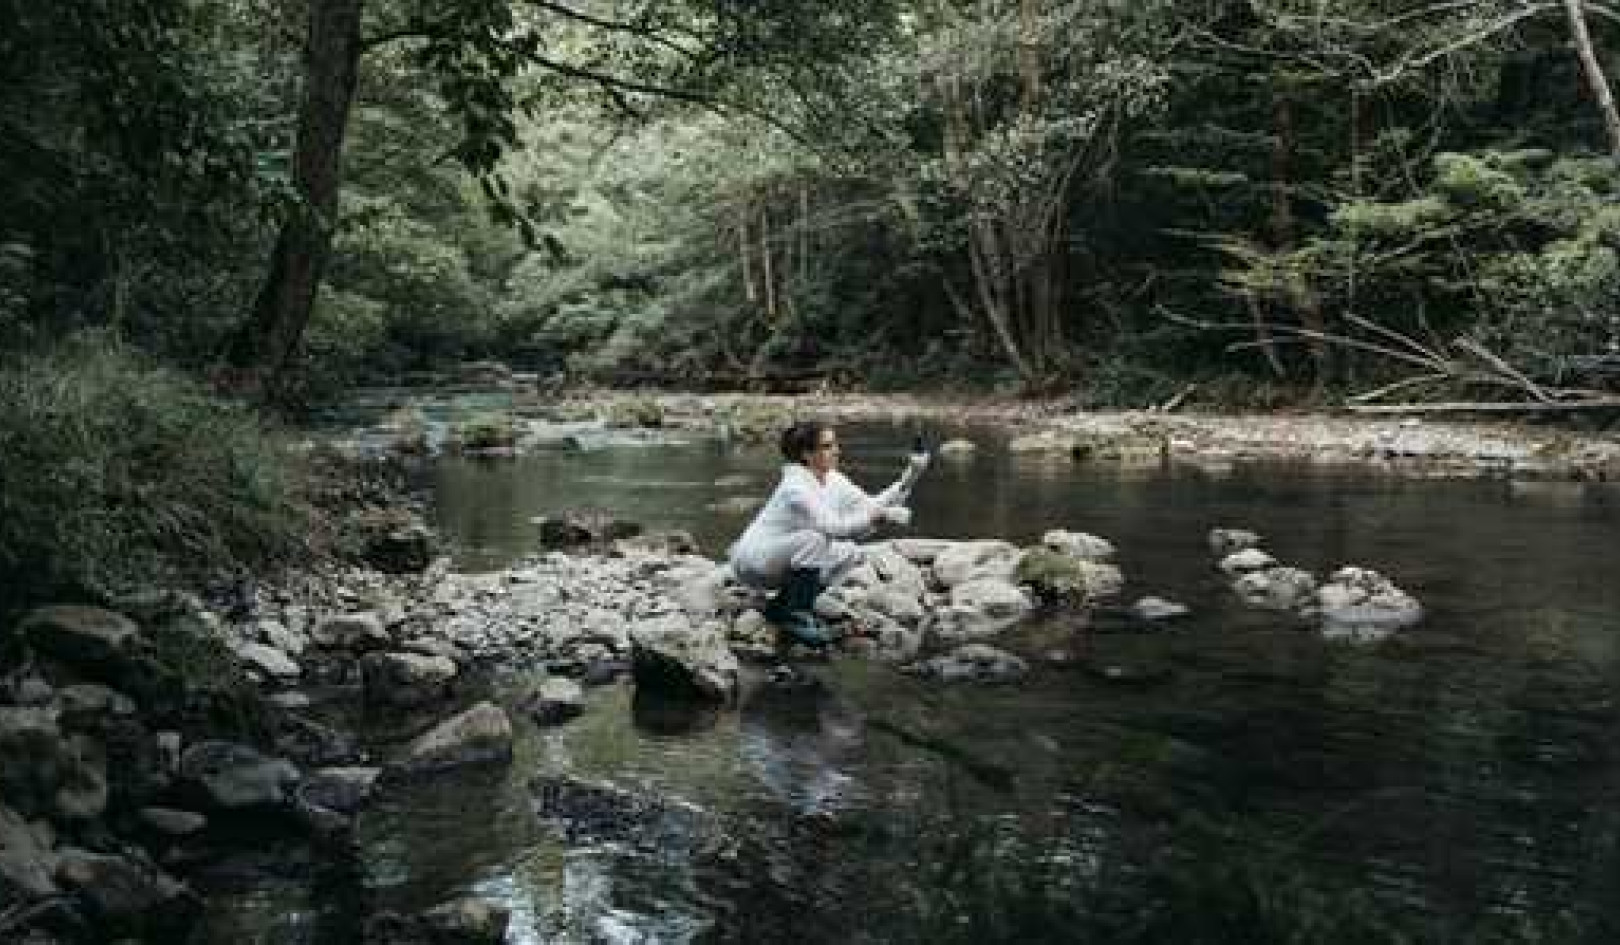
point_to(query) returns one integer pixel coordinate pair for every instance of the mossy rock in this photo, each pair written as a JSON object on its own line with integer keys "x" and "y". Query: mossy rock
{"x": 1057, "y": 577}
{"x": 484, "y": 432}
{"x": 638, "y": 412}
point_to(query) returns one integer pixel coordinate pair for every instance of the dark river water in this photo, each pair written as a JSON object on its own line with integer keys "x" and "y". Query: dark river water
{"x": 1244, "y": 781}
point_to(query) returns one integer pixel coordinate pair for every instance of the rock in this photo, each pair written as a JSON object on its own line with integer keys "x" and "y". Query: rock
{"x": 481, "y": 735}
{"x": 128, "y": 896}
{"x": 893, "y": 641}
{"x": 1057, "y": 576}
{"x": 973, "y": 662}
{"x": 1155, "y": 609}
{"x": 81, "y": 636}
{"x": 567, "y": 530}
{"x": 467, "y": 921}
{"x": 83, "y": 702}
{"x": 269, "y": 661}
{"x": 359, "y": 633}
{"x": 44, "y": 771}
{"x": 921, "y": 551}
{"x": 82, "y": 789}
{"x": 172, "y": 823}
{"x": 980, "y": 608}
{"x": 279, "y": 635}
{"x": 894, "y": 570}
{"x": 1361, "y": 605}
{"x": 405, "y": 679}
{"x": 233, "y": 777}
{"x": 896, "y": 604}
{"x": 973, "y": 560}
{"x": 1078, "y": 545}
{"x": 672, "y": 656}
{"x": 26, "y": 860}
{"x": 1249, "y": 559}
{"x": 408, "y": 549}
{"x": 1230, "y": 541}
{"x": 32, "y": 691}
{"x": 958, "y": 449}
{"x": 555, "y": 701}
{"x": 1276, "y": 588}
{"x": 343, "y": 790}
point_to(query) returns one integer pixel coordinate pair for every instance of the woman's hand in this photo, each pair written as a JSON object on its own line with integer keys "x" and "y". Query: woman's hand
{"x": 894, "y": 515}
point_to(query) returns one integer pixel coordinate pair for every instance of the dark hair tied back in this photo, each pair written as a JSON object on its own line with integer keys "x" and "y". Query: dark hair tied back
{"x": 800, "y": 440}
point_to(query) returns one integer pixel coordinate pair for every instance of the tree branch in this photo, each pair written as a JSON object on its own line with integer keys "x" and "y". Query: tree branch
{"x": 614, "y": 26}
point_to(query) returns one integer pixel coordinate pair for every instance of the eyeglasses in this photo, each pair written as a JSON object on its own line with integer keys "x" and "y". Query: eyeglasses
{"x": 827, "y": 445}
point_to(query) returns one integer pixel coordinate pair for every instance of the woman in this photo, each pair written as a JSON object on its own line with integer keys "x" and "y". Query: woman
{"x": 800, "y": 541}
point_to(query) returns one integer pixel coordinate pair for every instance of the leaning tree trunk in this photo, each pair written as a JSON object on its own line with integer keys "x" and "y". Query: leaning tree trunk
{"x": 1594, "y": 73}
{"x": 265, "y": 346}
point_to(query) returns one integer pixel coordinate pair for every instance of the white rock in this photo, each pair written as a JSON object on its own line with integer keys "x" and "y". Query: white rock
{"x": 1249, "y": 559}
{"x": 1078, "y": 545}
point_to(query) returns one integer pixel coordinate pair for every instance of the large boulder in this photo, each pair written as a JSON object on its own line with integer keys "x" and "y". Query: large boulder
{"x": 406, "y": 679}
{"x": 229, "y": 776}
{"x": 480, "y": 735}
{"x": 672, "y": 655}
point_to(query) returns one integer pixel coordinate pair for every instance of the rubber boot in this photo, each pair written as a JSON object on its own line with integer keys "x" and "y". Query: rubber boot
{"x": 793, "y": 608}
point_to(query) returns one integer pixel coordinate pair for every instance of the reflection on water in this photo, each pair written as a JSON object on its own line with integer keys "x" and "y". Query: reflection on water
{"x": 1454, "y": 784}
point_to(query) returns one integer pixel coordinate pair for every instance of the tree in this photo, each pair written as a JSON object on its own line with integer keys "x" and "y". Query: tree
{"x": 1031, "y": 100}
{"x": 678, "y": 51}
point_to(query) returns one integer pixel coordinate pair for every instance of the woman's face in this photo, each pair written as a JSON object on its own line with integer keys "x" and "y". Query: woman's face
{"x": 824, "y": 458}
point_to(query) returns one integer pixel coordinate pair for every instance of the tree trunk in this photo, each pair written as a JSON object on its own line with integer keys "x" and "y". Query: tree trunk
{"x": 745, "y": 252}
{"x": 1594, "y": 73}
{"x": 264, "y": 347}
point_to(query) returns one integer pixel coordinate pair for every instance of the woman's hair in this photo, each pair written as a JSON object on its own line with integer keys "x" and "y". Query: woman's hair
{"x": 801, "y": 439}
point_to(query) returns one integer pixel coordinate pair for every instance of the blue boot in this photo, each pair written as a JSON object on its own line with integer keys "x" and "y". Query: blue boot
{"x": 792, "y": 610}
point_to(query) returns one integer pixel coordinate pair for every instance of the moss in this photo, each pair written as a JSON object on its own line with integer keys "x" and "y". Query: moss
{"x": 485, "y": 431}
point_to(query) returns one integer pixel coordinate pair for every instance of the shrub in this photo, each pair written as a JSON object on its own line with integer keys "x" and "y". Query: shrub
{"x": 118, "y": 474}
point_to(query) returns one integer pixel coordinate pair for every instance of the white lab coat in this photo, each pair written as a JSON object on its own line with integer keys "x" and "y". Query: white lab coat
{"x": 808, "y": 523}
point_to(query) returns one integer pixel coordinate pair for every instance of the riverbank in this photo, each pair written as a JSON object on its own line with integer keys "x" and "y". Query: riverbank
{"x": 1407, "y": 446}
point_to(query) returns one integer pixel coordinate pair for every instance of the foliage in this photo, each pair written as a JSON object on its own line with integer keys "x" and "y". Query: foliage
{"x": 119, "y": 475}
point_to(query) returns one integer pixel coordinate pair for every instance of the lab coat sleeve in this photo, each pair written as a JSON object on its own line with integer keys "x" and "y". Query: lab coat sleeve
{"x": 843, "y": 516}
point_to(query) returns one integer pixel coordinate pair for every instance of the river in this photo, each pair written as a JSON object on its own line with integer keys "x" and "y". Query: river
{"x": 1241, "y": 781}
